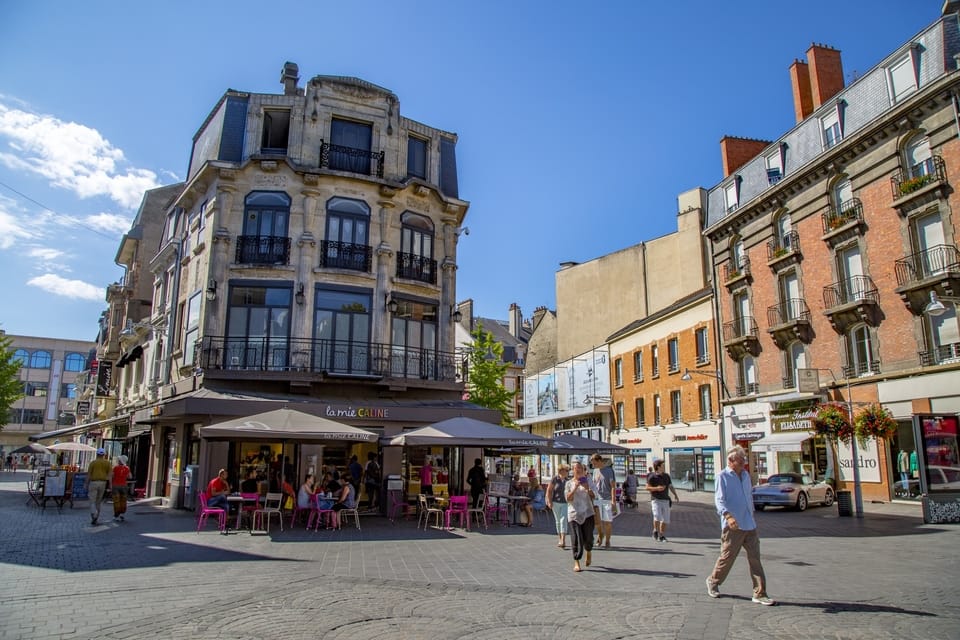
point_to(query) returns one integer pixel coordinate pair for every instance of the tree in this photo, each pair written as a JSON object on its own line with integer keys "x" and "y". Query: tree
{"x": 11, "y": 389}
{"x": 485, "y": 375}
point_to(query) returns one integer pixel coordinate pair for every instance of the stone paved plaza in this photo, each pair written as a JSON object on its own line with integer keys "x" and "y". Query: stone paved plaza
{"x": 886, "y": 575}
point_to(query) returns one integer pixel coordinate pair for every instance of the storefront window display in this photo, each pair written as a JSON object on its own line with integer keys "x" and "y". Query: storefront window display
{"x": 941, "y": 453}
{"x": 905, "y": 465}
{"x": 693, "y": 469}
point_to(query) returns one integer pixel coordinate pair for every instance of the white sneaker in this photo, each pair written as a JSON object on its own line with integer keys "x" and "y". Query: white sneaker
{"x": 764, "y": 600}
{"x": 712, "y": 590}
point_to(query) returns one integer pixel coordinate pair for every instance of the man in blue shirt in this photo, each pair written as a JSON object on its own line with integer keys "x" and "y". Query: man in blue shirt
{"x": 734, "y": 500}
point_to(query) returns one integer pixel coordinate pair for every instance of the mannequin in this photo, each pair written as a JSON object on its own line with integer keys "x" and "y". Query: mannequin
{"x": 903, "y": 466}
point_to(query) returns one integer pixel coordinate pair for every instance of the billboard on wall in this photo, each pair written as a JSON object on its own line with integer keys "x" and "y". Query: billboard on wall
{"x": 868, "y": 459}
{"x": 567, "y": 385}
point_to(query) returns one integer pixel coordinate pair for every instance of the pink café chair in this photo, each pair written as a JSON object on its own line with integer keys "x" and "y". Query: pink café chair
{"x": 320, "y": 514}
{"x": 458, "y": 507}
{"x": 206, "y": 511}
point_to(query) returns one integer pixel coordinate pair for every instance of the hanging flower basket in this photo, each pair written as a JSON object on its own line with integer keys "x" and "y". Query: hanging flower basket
{"x": 873, "y": 421}
{"x": 833, "y": 421}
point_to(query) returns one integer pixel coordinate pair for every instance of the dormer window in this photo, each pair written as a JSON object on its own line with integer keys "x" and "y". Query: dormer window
{"x": 832, "y": 131}
{"x": 902, "y": 77}
{"x": 417, "y": 157}
{"x": 774, "y": 167}
{"x": 276, "y": 131}
{"x": 731, "y": 194}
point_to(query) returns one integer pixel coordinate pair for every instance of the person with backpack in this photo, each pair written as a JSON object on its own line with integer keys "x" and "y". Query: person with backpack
{"x": 371, "y": 480}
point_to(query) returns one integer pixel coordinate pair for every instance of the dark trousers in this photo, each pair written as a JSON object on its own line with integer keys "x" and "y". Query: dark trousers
{"x": 582, "y": 537}
{"x": 476, "y": 494}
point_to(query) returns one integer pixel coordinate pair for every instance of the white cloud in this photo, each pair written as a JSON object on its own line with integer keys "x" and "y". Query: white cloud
{"x": 52, "y": 283}
{"x": 13, "y": 228}
{"x": 46, "y": 254}
{"x": 72, "y": 156}
{"x": 109, "y": 222}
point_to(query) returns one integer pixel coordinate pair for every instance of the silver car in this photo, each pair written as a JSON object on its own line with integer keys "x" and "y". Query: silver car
{"x": 791, "y": 490}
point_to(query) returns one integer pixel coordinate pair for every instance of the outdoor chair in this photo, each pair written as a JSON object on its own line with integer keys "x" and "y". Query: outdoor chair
{"x": 398, "y": 506}
{"x": 539, "y": 503}
{"x": 297, "y": 511}
{"x": 320, "y": 512}
{"x": 206, "y": 511}
{"x": 458, "y": 507}
{"x": 426, "y": 511}
{"x": 350, "y": 512}
{"x": 479, "y": 512}
{"x": 497, "y": 508}
{"x": 271, "y": 507}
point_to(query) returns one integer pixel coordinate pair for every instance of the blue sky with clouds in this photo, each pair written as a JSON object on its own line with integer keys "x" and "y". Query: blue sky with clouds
{"x": 579, "y": 123}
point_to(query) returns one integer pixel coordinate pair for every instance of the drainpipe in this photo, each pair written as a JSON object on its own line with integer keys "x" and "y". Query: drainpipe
{"x": 174, "y": 293}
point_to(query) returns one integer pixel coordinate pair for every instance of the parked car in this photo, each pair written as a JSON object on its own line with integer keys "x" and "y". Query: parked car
{"x": 791, "y": 490}
{"x": 943, "y": 478}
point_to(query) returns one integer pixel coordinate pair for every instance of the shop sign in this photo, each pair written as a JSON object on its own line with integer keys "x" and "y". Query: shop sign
{"x": 752, "y": 435}
{"x": 580, "y": 423}
{"x": 632, "y": 441}
{"x": 796, "y": 420}
{"x": 867, "y": 460}
{"x": 695, "y": 436}
{"x": 83, "y": 407}
{"x": 358, "y": 412}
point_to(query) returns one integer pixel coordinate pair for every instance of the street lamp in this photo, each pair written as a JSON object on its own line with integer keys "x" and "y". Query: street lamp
{"x": 854, "y": 453}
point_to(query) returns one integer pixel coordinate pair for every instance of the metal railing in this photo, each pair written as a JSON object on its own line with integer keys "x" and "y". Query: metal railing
{"x": 861, "y": 368}
{"x": 942, "y": 354}
{"x": 329, "y": 357}
{"x": 779, "y": 247}
{"x": 943, "y": 258}
{"x": 263, "y": 250}
{"x": 742, "y": 327}
{"x": 748, "y": 389}
{"x": 933, "y": 170}
{"x": 345, "y": 255}
{"x": 735, "y": 269}
{"x": 414, "y": 267}
{"x": 341, "y": 158}
{"x": 835, "y": 217}
{"x": 791, "y": 310}
{"x": 853, "y": 289}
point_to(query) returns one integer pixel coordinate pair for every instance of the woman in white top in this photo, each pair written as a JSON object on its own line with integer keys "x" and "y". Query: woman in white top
{"x": 580, "y": 492}
{"x": 305, "y": 495}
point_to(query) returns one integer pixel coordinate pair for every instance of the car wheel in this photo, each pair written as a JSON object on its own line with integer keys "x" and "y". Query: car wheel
{"x": 759, "y": 507}
{"x": 828, "y": 498}
{"x": 802, "y": 502}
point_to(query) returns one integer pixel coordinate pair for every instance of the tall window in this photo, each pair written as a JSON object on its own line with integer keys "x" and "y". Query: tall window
{"x": 192, "y": 326}
{"x": 620, "y": 414}
{"x": 796, "y": 359}
{"x": 40, "y": 360}
{"x": 738, "y": 254}
{"x": 703, "y": 348}
{"x": 860, "y": 360}
{"x": 265, "y": 229}
{"x": 347, "y": 235}
{"x": 352, "y": 142}
{"x": 656, "y": 409}
{"x": 417, "y": 157}
{"x": 416, "y": 249}
{"x": 276, "y": 131}
{"x": 637, "y": 366}
{"x": 341, "y": 331}
{"x": 413, "y": 339}
{"x": 902, "y": 77}
{"x": 673, "y": 352}
{"x": 654, "y": 361}
{"x": 706, "y": 406}
{"x": 919, "y": 158}
{"x": 748, "y": 377}
{"x": 618, "y": 372}
{"x": 731, "y": 194}
{"x": 832, "y": 132}
{"x": 74, "y": 362}
{"x": 774, "y": 167}
{"x": 638, "y": 407}
{"x": 22, "y": 356}
{"x": 783, "y": 229}
{"x": 258, "y": 327}
{"x": 676, "y": 407}
{"x": 945, "y": 331}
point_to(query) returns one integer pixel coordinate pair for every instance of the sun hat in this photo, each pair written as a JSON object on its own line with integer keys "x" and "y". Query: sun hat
{"x": 101, "y": 451}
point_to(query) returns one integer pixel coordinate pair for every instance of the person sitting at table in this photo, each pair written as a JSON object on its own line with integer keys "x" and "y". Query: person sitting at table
{"x": 217, "y": 491}
{"x": 249, "y": 485}
{"x": 306, "y": 493}
{"x": 289, "y": 494}
{"x": 525, "y": 505}
{"x": 347, "y": 499}
{"x": 332, "y": 483}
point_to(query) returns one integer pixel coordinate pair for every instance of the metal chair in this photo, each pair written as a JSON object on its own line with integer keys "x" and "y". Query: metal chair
{"x": 458, "y": 507}
{"x": 206, "y": 511}
{"x": 271, "y": 507}
{"x": 479, "y": 512}
{"x": 426, "y": 511}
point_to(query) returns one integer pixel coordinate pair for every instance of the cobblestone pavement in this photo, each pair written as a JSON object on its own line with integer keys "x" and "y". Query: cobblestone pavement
{"x": 886, "y": 575}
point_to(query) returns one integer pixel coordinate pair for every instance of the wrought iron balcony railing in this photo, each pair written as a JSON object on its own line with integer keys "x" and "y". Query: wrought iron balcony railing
{"x": 933, "y": 170}
{"x": 785, "y": 245}
{"x": 263, "y": 250}
{"x": 340, "y": 158}
{"x": 328, "y": 357}
{"x": 942, "y": 354}
{"x": 788, "y": 311}
{"x": 345, "y": 255}
{"x": 938, "y": 260}
{"x": 740, "y": 328}
{"x": 414, "y": 267}
{"x": 835, "y": 217}
{"x": 861, "y": 368}
{"x": 853, "y": 289}
{"x": 748, "y": 389}
{"x": 734, "y": 269}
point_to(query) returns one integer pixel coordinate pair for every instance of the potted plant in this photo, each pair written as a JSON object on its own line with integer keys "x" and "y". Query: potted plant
{"x": 912, "y": 184}
{"x": 833, "y": 421}
{"x": 873, "y": 421}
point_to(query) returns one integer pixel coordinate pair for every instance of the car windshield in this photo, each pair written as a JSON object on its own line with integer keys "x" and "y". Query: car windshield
{"x": 780, "y": 480}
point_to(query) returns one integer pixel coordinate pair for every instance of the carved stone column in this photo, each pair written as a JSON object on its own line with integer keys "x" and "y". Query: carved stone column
{"x": 385, "y": 262}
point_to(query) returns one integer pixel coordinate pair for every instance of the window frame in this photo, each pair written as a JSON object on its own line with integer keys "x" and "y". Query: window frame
{"x": 413, "y": 153}
{"x": 673, "y": 355}
{"x": 654, "y": 361}
{"x": 903, "y": 62}
{"x": 705, "y": 396}
{"x": 831, "y": 129}
{"x": 676, "y": 406}
{"x": 638, "y": 407}
{"x": 618, "y": 372}
{"x": 638, "y": 365}
{"x": 702, "y": 340}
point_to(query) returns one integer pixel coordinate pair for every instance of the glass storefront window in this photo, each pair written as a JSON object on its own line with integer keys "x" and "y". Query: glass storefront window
{"x": 940, "y": 452}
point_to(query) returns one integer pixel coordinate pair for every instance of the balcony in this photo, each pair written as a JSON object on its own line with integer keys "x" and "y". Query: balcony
{"x": 851, "y": 301}
{"x": 272, "y": 250}
{"x": 737, "y": 272}
{"x": 789, "y": 321}
{"x": 921, "y": 183}
{"x": 861, "y": 369}
{"x": 345, "y": 255}
{"x": 843, "y": 222}
{"x": 414, "y": 267}
{"x": 340, "y": 158}
{"x": 783, "y": 251}
{"x": 748, "y": 389}
{"x": 741, "y": 337}
{"x": 255, "y": 358}
{"x": 943, "y": 354}
{"x": 936, "y": 269}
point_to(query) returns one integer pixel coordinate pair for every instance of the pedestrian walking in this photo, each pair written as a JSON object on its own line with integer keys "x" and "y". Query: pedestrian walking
{"x": 580, "y": 493}
{"x": 557, "y": 502}
{"x": 477, "y": 479}
{"x": 739, "y": 528}
{"x": 371, "y": 480}
{"x": 605, "y": 482}
{"x": 121, "y": 473}
{"x": 98, "y": 474}
{"x": 660, "y": 487}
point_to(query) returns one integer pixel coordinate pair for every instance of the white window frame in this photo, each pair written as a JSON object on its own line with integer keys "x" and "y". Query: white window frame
{"x": 774, "y": 163}
{"x": 831, "y": 129}
{"x": 731, "y": 195}
{"x": 902, "y": 78}
{"x": 703, "y": 347}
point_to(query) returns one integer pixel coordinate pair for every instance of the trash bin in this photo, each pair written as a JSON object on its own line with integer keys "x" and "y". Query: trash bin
{"x": 844, "y": 504}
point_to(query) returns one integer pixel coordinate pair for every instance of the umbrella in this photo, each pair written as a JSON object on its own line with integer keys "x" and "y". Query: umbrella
{"x": 285, "y": 424}
{"x": 71, "y": 446}
{"x": 469, "y": 432}
{"x": 33, "y": 447}
{"x": 568, "y": 443}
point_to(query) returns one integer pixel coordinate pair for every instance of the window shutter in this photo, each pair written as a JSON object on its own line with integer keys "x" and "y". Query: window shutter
{"x": 234, "y": 125}
{"x": 448, "y": 168}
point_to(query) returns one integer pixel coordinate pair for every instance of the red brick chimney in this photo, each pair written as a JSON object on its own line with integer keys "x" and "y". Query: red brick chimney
{"x": 817, "y": 80}
{"x": 736, "y": 152}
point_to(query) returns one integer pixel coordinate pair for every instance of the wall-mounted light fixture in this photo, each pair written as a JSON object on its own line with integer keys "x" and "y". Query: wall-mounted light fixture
{"x": 934, "y": 307}
{"x": 392, "y": 305}
{"x": 597, "y": 399}
{"x": 212, "y": 290}
{"x": 455, "y": 314}
{"x": 299, "y": 294}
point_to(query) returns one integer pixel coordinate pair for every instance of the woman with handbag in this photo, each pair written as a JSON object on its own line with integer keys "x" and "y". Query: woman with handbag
{"x": 660, "y": 488}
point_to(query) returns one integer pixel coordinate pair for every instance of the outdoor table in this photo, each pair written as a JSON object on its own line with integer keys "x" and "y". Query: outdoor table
{"x": 239, "y": 500}
{"x": 517, "y": 502}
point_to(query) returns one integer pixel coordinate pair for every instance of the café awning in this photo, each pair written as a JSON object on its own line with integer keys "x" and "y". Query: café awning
{"x": 469, "y": 432}
{"x": 285, "y": 424}
{"x": 568, "y": 443}
{"x": 784, "y": 441}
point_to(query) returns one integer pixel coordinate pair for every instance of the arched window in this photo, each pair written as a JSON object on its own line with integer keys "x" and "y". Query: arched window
{"x": 859, "y": 351}
{"x": 738, "y": 254}
{"x": 783, "y": 228}
{"x": 347, "y": 243}
{"x": 416, "y": 248}
{"x": 22, "y": 356}
{"x": 74, "y": 362}
{"x": 919, "y": 160}
{"x": 40, "y": 360}
{"x": 265, "y": 237}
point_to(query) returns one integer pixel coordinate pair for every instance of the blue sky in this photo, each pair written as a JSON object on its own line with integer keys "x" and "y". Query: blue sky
{"x": 579, "y": 123}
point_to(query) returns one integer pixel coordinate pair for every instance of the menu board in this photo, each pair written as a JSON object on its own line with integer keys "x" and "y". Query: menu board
{"x": 55, "y": 483}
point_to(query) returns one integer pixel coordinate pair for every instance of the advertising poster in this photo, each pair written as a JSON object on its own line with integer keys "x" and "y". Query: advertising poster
{"x": 869, "y": 461}
{"x": 548, "y": 399}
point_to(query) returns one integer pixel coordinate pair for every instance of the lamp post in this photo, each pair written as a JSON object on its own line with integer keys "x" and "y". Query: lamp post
{"x": 854, "y": 452}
